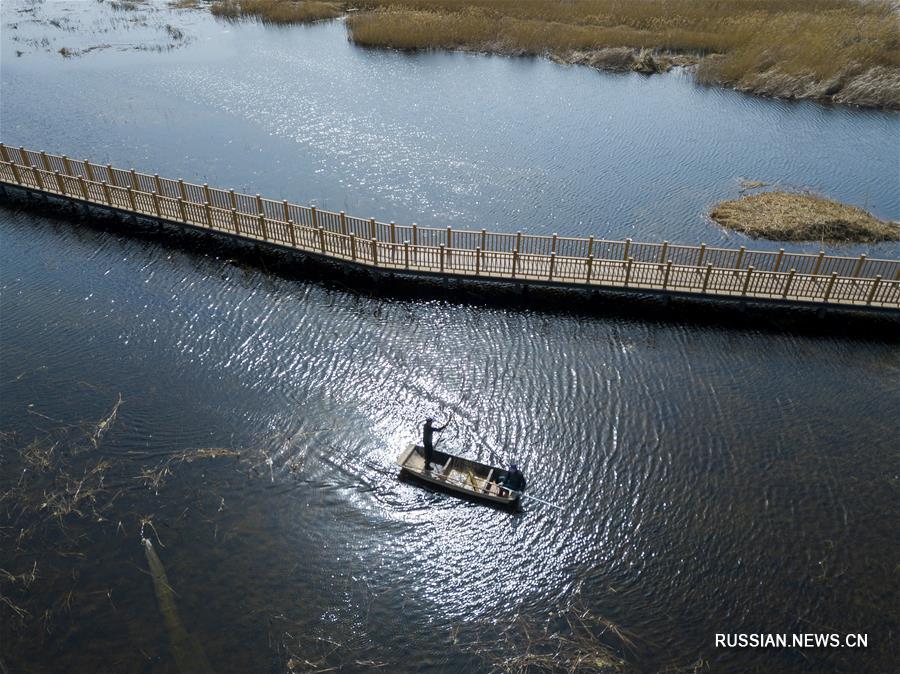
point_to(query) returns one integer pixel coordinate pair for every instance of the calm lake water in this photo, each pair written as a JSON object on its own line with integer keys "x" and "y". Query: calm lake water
{"x": 710, "y": 478}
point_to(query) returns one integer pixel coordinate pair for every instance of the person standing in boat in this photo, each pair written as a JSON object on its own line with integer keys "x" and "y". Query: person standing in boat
{"x": 514, "y": 480}
{"x": 428, "y": 431}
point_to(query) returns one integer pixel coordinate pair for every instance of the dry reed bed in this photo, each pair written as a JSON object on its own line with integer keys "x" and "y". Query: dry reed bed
{"x": 785, "y": 216}
{"x": 278, "y": 11}
{"x": 839, "y": 50}
{"x": 836, "y": 50}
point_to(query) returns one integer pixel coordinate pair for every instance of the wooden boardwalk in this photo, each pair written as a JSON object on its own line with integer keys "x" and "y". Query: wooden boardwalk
{"x": 576, "y": 262}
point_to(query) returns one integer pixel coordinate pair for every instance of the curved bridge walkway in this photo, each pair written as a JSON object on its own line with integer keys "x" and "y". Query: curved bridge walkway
{"x": 795, "y": 278}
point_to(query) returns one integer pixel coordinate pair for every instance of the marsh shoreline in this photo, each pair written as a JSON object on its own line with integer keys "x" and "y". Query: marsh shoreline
{"x": 844, "y": 52}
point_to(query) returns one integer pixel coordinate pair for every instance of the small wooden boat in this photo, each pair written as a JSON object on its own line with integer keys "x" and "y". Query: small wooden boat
{"x": 458, "y": 475}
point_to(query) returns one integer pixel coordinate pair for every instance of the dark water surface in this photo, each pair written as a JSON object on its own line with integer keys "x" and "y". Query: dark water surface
{"x": 711, "y": 478}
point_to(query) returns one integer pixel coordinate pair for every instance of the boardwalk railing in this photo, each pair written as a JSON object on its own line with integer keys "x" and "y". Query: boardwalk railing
{"x": 572, "y": 261}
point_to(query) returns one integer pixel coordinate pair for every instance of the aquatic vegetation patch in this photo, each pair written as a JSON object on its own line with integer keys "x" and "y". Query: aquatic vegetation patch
{"x": 72, "y": 29}
{"x": 572, "y": 638}
{"x": 125, "y": 5}
{"x": 62, "y": 492}
{"x": 788, "y": 216}
{"x": 278, "y": 11}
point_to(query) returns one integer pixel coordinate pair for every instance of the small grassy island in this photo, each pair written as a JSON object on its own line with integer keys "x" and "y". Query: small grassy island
{"x": 841, "y": 51}
{"x": 786, "y": 216}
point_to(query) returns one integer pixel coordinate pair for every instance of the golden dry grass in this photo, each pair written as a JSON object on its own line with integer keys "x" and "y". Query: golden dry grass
{"x": 840, "y": 50}
{"x": 278, "y": 11}
{"x": 786, "y": 216}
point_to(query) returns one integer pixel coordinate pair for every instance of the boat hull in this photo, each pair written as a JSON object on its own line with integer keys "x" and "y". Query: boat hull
{"x": 457, "y": 475}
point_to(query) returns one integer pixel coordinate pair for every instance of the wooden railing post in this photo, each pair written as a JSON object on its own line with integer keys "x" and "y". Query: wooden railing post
{"x": 67, "y": 165}
{"x": 830, "y": 287}
{"x": 321, "y": 238}
{"x": 156, "y": 206}
{"x": 373, "y": 228}
{"x": 88, "y": 170}
{"x": 262, "y": 226}
{"x": 110, "y": 174}
{"x": 23, "y": 153}
{"x": 552, "y": 265}
{"x": 706, "y": 277}
{"x": 235, "y": 221}
{"x": 83, "y": 186}
{"x": 233, "y": 199}
{"x": 701, "y": 255}
{"x": 206, "y": 195}
{"x": 787, "y": 283}
{"x": 287, "y": 210}
{"x": 37, "y": 177}
{"x": 182, "y": 190}
{"x": 740, "y": 257}
{"x": 590, "y": 266}
{"x": 45, "y": 160}
{"x": 590, "y": 250}
{"x": 483, "y": 238}
{"x": 666, "y": 274}
{"x": 60, "y": 183}
{"x": 158, "y": 182}
{"x": 131, "y": 199}
{"x": 343, "y": 220}
{"x": 182, "y": 209}
{"x": 478, "y": 253}
{"x": 747, "y": 280}
{"x": 663, "y": 252}
{"x": 374, "y": 251}
{"x": 4, "y": 154}
{"x": 353, "y": 247}
{"x": 406, "y": 254}
{"x": 291, "y": 233}
{"x": 107, "y": 193}
{"x": 778, "y": 259}
{"x": 815, "y": 270}
{"x": 415, "y": 234}
{"x": 442, "y": 258}
{"x": 518, "y": 241}
{"x": 449, "y": 247}
{"x": 515, "y": 261}
{"x": 628, "y": 265}
{"x": 314, "y": 216}
{"x": 208, "y": 210}
{"x": 17, "y": 175}
{"x": 393, "y": 232}
{"x": 859, "y": 265}
{"x": 553, "y": 243}
{"x": 875, "y": 285}
{"x": 259, "y": 204}
{"x": 134, "y": 181}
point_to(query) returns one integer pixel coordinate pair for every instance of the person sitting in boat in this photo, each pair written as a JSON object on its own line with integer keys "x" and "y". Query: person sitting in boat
{"x": 428, "y": 431}
{"x": 514, "y": 480}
